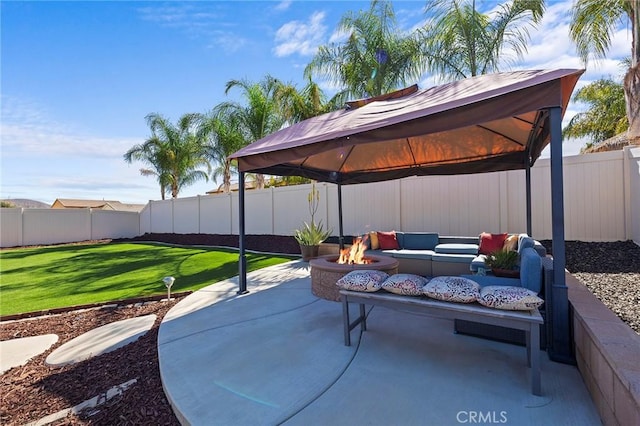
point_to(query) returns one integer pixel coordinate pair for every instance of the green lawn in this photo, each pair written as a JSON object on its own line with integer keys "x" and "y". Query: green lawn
{"x": 35, "y": 279}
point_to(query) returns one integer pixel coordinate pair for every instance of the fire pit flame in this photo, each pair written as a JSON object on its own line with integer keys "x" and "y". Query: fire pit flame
{"x": 354, "y": 254}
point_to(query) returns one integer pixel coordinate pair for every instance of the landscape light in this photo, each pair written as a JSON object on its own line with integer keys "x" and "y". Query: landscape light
{"x": 168, "y": 282}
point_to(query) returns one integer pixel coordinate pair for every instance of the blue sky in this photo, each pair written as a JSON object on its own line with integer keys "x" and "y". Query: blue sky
{"x": 79, "y": 77}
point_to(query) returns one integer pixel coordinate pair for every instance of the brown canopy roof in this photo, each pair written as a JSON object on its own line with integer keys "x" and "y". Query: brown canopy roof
{"x": 481, "y": 124}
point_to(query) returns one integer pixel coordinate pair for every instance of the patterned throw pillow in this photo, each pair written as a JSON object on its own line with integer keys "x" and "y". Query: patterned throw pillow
{"x": 362, "y": 280}
{"x": 509, "y": 298}
{"x": 405, "y": 284}
{"x": 453, "y": 289}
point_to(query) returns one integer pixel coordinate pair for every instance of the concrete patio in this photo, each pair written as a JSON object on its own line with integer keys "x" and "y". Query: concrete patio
{"x": 277, "y": 356}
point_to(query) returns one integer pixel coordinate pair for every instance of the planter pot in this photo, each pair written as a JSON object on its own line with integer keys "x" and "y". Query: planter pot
{"x": 505, "y": 273}
{"x": 309, "y": 252}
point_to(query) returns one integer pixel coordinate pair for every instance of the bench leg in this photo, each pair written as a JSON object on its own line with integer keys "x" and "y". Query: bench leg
{"x": 534, "y": 344}
{"x": 345, "y": 320}
{"x": 347, "y": 324}
{"x": 527, "y": 340}
{"x": 363, "y": 317}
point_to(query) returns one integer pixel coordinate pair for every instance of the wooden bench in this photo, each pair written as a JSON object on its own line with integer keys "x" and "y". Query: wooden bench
{"x": 529, "y": 321}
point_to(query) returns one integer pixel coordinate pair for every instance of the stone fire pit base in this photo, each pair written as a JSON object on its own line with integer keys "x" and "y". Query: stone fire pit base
{"x": 325, "y": 272}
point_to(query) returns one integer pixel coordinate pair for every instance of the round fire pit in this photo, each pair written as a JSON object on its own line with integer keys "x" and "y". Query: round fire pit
{"x": 325, "y": 271}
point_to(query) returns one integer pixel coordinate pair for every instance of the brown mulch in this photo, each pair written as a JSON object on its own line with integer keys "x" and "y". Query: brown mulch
{"x": 33, "y": 391}
{"x": 30, "y": 392}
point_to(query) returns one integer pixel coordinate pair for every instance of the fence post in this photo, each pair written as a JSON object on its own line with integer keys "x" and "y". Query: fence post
{"x": 21, "y": 237}
{"x": 503, "y": 188}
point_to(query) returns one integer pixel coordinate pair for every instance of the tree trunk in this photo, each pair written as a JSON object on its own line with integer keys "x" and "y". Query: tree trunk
{"x": 632, "y": 97}
{"x": 226, "y": 180}
{"x": 259, "y": 181}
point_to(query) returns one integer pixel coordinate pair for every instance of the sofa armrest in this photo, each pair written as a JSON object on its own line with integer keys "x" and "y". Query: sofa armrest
{"x": 531, "y": 269}
{"x": 479, "y": 262}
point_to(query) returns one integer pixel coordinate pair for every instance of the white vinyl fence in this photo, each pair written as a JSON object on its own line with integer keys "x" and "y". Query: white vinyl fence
{"x": 24, "y": 227}
{"x": 601, "y": 198}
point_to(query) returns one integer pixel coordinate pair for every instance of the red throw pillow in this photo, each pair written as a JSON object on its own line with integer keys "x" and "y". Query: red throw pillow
{"x": 491, "y": 242}
{"x": 388, "y": 240}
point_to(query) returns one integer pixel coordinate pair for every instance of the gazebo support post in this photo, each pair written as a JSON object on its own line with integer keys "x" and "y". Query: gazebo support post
{"x": 559, "y": 343}
{"x": 242, "y": 261}
{"x": 341, "y": 236}
{"x": 528, "y": 183}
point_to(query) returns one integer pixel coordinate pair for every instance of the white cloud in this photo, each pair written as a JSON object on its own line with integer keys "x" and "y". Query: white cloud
{"x": 199, "y": 21}
{"x": 300, "y": 37}
{"x": 28, "y": 128}
{"x": 43, "y": 156}
{"x": 180, "y": 16}
{"x": 283, "y": 5}
{"x": 228, "y": 41}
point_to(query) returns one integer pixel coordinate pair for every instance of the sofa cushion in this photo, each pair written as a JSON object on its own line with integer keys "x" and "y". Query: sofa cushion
{"x": 388, "y": 240}
{"x": 419, "y": 240}
{"x": 509, "y": 298}
{"x": 456, "y": 248}
{"x": 452, "y": 258}
{"x": 410, "y": 254}
{"x": 362, "y": 280}
{"x": 452, "y": 289}
{"x": 405, "y": 284}
{"x": 491, "y": 242}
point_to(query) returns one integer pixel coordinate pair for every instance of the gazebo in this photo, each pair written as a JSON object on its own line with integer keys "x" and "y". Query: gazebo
{"x": 482, "y": 124}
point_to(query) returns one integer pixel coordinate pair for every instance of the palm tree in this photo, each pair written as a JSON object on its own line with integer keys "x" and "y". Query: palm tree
{"x": 606, "y": 115}
{"x": 260, "y": 116}
{"x": 592, "y": 25}
{"x": 174, "y": 153}
{"x": 375, "y": 59}
{"x": 221, "y": 132}
{"x": 298, "y": 105}
{"x": 460, "y": 42}
{"x": 151, "y": 152}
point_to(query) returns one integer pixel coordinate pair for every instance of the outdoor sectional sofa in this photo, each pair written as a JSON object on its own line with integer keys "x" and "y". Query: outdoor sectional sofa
{"x": 429, "y": 254}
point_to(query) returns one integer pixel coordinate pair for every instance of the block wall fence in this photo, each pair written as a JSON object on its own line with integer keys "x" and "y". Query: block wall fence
{"x": 601, "y": 199}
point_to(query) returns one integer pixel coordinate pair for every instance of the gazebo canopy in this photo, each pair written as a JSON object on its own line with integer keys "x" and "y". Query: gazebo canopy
{"x": 481, "y": 124}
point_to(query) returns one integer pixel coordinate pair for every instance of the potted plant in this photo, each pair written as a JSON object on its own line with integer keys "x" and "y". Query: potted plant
{"x": 503, "y": 263}
{"x": 311, "y": 234}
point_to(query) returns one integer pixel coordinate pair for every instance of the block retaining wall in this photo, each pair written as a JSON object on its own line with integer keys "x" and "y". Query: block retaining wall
{"x": 608, "y": 356}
